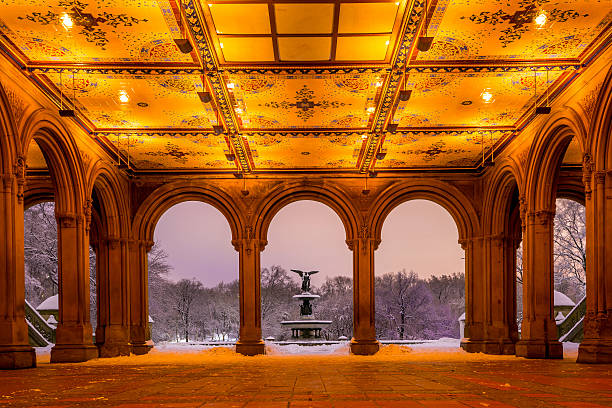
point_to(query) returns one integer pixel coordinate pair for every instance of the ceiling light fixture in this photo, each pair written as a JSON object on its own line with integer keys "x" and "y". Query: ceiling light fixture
{"x": 364, "y": 137}
{"x": 541, "y": 110}
{"x": 404, "y": 95}
{"x": 230, "y": 156}
{"x": 371, "y": 109}
{"x": 221, "y": 44}
{"x": 66, "y": 113}
{"x": 230, "y": 86}
{"x": 487, "y": 96}
{"x": 540, "y": 20}
{"x": 123, "y": 97}
{"x": 67, "y": 21}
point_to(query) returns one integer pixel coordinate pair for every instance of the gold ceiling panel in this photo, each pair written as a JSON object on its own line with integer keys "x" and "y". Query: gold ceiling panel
{"x": 246, "y": 49}
{"x": 506, "y": 29}
{"x": 304, "y": 101}
{"x": 88, "y": 31}
{"x": 458, "y": 99}
{"x": 306, "y": 18}
{"x": 294, "y": 151}
{"x": 240, "y": 18}
{"x": 367, "y": 17}
{"x": 173, "y": 151}
{"x": 138, "y": 102}
{"x": 263, "y": 31}
{"x": 431, "y": 149}
{"x": 366, "y": 48}
{"x": 304, "y": 48}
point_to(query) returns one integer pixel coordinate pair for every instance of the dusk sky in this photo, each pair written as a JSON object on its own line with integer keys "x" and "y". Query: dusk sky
{"x": 418, "y": 235}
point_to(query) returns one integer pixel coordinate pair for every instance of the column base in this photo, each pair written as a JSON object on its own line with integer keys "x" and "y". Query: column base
{"x": 539, "y": 349}
{"x": 251, "y": 348}
{"x": 364, "y": 348}
{"x": 17, "y": 357}
{"x": 501, "y": 347}
{"x": 595, "y": 352}
{"x": 107, "y": 350}
{"x": 73, "y": 353}
{"x": 141, "y": 348}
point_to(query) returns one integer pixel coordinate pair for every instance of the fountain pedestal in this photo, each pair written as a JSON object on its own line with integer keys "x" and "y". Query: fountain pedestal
{"x": 307, "y": 327}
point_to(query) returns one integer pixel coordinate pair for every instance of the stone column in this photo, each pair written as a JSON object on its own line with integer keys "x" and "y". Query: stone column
{"x": 113, "y": 331}
{"x": 364, "y": 330}
{"x": 139, "y": 295}
{"x": 500, "y": 328}
{"x": 249, "y": 250}
{"x": 596, "y": 347}
{"x": 15, "y": 349}
{"x": 73, "y": 336}
{"x": 476, "y": 296}
{"x": 539, "y": 329}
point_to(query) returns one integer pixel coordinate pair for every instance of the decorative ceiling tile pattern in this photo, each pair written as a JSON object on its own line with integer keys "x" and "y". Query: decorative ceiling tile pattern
{"x": 457, "y": 99}
{"x": 437, "y": 149}
{"x": 153, "y": 101}
{"x": 303, "y": 84}
{"x": 506, "y": 29}
{"x": 310, "y": 150}
{"x": 91, "y": 31}
{"x": 173, "y": 150}
{"x": 304, "y": 101}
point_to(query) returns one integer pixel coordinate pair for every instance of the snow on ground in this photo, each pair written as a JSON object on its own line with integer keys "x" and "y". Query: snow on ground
{"x": 444, "y": 349}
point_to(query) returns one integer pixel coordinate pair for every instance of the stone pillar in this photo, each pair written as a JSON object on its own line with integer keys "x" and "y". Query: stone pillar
{"x": 476, "y": 296}
{"x": 139, "y": 295}
{"x": 539, "y": 329}
{"x": 500, "y": 328}
{"x": 596, "y": 347}
{"x": 73, "y": 336}
{"x": 113, "y": 331}
{"x": 364, "y": 330}
{"x": 249, "y": 250}
{"x": 15, "y": 349}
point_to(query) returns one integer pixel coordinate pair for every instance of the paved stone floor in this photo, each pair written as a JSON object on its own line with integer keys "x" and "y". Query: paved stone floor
{"x": 223, "y": 379}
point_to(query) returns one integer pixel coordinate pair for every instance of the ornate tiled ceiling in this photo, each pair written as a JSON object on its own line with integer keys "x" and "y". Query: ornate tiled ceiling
{"x": 293, "y": 85}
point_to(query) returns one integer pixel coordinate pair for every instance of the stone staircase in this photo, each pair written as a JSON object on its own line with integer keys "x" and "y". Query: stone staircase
{"x": 570, "y": 328}
{"x": 40, "y": 333}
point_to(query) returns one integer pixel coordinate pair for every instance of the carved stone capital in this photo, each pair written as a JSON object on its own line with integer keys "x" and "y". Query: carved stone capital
{"x": 600, "y": 177}
{"x": 67, "y": 220}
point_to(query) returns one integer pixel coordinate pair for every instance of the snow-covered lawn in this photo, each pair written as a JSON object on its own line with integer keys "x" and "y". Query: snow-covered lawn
{"x": 194, "y": 353}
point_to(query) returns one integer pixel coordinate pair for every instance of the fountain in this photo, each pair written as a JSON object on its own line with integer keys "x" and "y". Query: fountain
{"x": 307, "y": 327}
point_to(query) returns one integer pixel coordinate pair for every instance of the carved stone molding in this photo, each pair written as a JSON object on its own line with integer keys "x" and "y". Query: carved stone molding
{"x": 20, "y": 174}
{"x": 587, "y": 172}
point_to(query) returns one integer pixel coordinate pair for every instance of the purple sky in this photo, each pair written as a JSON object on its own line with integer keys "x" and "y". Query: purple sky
{"x": 418, "y": 235}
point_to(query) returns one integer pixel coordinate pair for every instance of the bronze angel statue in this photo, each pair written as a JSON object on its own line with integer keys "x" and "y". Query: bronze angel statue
{"x": 305, "y": 278}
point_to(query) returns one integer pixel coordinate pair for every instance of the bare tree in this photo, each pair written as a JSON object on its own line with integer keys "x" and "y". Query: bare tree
{"x": 186, "y": 291}
{"x": 570, "y": 247}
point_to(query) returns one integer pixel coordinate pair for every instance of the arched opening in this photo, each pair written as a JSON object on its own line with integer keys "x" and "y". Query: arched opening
{"x": 193, "y": 277}
{"x": 419, "y": 275}
{"x": 308, "y": 236}
{"x": 42, "y": 283}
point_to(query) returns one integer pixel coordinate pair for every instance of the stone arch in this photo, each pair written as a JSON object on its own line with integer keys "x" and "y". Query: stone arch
{"x": 38, "y": 191}
{"x": 285, "y": 194}
{"x": 112, "y": 198}
{"x": 62, "y": 156}
{"x": 545, "y": 156}
{"x": 166, "y": 196}
{"x": 498, "y": 198}
{"x": 600, "y": 131}
{"x": 442, "y": 193}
